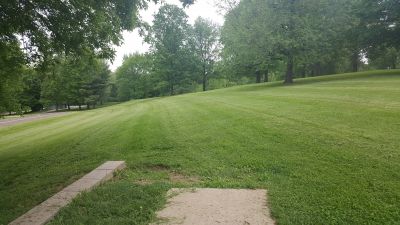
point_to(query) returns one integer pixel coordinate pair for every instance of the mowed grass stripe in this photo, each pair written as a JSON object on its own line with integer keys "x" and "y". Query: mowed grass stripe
{"x": 326, "y": 155}
{"x": 337, "y": 158}
{"x": 72, "y": 148}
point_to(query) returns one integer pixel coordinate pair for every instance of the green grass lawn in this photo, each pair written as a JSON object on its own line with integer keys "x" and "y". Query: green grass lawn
{"x": 327, "y": 149}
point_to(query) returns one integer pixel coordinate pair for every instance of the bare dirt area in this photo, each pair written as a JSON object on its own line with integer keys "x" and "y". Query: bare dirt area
{"x": 174, "y": 176}
{"x": 209, "y": 206}
{"x": 28, "y": 118}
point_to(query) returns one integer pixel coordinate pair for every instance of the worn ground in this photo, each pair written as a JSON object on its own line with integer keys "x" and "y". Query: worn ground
{"x": 212, "y": 206}
{"x": 326, "y": 149}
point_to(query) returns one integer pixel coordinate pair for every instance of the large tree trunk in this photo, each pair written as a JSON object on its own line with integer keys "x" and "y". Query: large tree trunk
{"x": 289, "y": 70}
{"x": 69, "y": 107}
{"x": 355, "y": 61}
{"x": 266, "y": 75}
{"x": 258, "y": 76}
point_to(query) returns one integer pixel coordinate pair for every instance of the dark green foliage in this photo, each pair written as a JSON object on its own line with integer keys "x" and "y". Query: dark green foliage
{"x": 381, "y": 21}
{"x": 311, "y": 37}
{"x": 181, "y": 58}
{"x": 32, "y": 87}
{"x": 11, "y": 85}
{"x": 174, "y": 59}
{"x": 57, "y": 26}
{"x": 134, "y": 78}
{"x": 76, "y": 81}
{"x": 46, "y": 30}
{"x": 49, "y": 27}
{"x": 383, "y": 57}
{"x": 206, "y": 48}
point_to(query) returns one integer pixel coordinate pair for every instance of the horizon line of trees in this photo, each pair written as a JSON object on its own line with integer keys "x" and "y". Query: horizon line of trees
{"x": 310, "y": 37}
{"x": 55, "y": 53}
{"x": 181, "y": 58}
{"x": 69, "y": 81}
{"x": 261, "y": 40}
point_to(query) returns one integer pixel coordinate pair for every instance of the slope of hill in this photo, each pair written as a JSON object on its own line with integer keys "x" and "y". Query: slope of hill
{"x": 327, "y": 149}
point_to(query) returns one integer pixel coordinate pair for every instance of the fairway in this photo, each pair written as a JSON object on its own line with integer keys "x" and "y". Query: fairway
{"x": 327, "y": 149}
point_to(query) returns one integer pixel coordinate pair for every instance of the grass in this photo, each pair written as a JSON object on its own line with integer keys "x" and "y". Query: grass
{"x": 100, "y": 207}
{"x": 327, "y": 149}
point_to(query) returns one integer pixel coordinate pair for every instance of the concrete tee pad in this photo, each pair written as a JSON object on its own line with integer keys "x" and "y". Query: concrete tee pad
{"x": 45, "y": 211}
{"x": 207, "y": 206}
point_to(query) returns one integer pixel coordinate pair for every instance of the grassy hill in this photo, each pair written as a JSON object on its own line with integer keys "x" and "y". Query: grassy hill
{"x": 327, "y": 149}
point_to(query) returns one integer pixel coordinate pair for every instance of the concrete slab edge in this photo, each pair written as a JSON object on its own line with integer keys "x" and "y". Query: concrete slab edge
{"x": 46, "y": 211}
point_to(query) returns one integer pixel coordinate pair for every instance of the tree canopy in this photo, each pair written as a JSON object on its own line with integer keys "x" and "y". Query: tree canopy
{"x": 309, "y": 37}
{"x": 38, "y": 33}
{"x": 170, "y": 44}
{"x": 47, "y": 27}
{"x": 206, "y": 47}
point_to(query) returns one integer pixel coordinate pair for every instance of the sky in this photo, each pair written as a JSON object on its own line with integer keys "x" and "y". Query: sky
{"x": 134, "y": 43}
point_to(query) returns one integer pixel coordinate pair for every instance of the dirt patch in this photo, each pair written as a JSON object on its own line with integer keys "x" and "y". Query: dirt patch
{"x": 157, "y": 167}
{"x": 173, "y": 175}
{"x": 216, "y": 207}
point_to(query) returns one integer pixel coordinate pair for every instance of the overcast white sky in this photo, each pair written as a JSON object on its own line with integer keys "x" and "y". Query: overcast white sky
{"x": 134, "y": 43}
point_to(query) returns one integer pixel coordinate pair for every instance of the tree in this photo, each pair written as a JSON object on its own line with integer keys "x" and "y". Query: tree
{"x": 248, "y": 45}
{"x": 383, "y": 57}
{"x": 376, "y": 33}
{"x": 76, "y": 80}
{"x": 206, "y": 35}
{"x": 11, "y": 68}
{"x": 47, "y": 27}
{"x": 296, "y": 28}
{"x": 53, "y": 89}
{"x": 134, "y": 78}
{"x": 171, "y": 47}
{"x": 260, "y": 34}
{"x": 225, "y": 6}
{"x": 381, "y": 21}
{"x": 30, "y": 96}
{"x": 95, "y": 84}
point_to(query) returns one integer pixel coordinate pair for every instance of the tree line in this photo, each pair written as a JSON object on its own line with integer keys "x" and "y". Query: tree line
{"x": 54, "y": 53}
{"x": 294, "y": 38}
{"x": 262, "y": 40}
{"x": 181, "y": 58}
{"x": 68, "y": 80}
